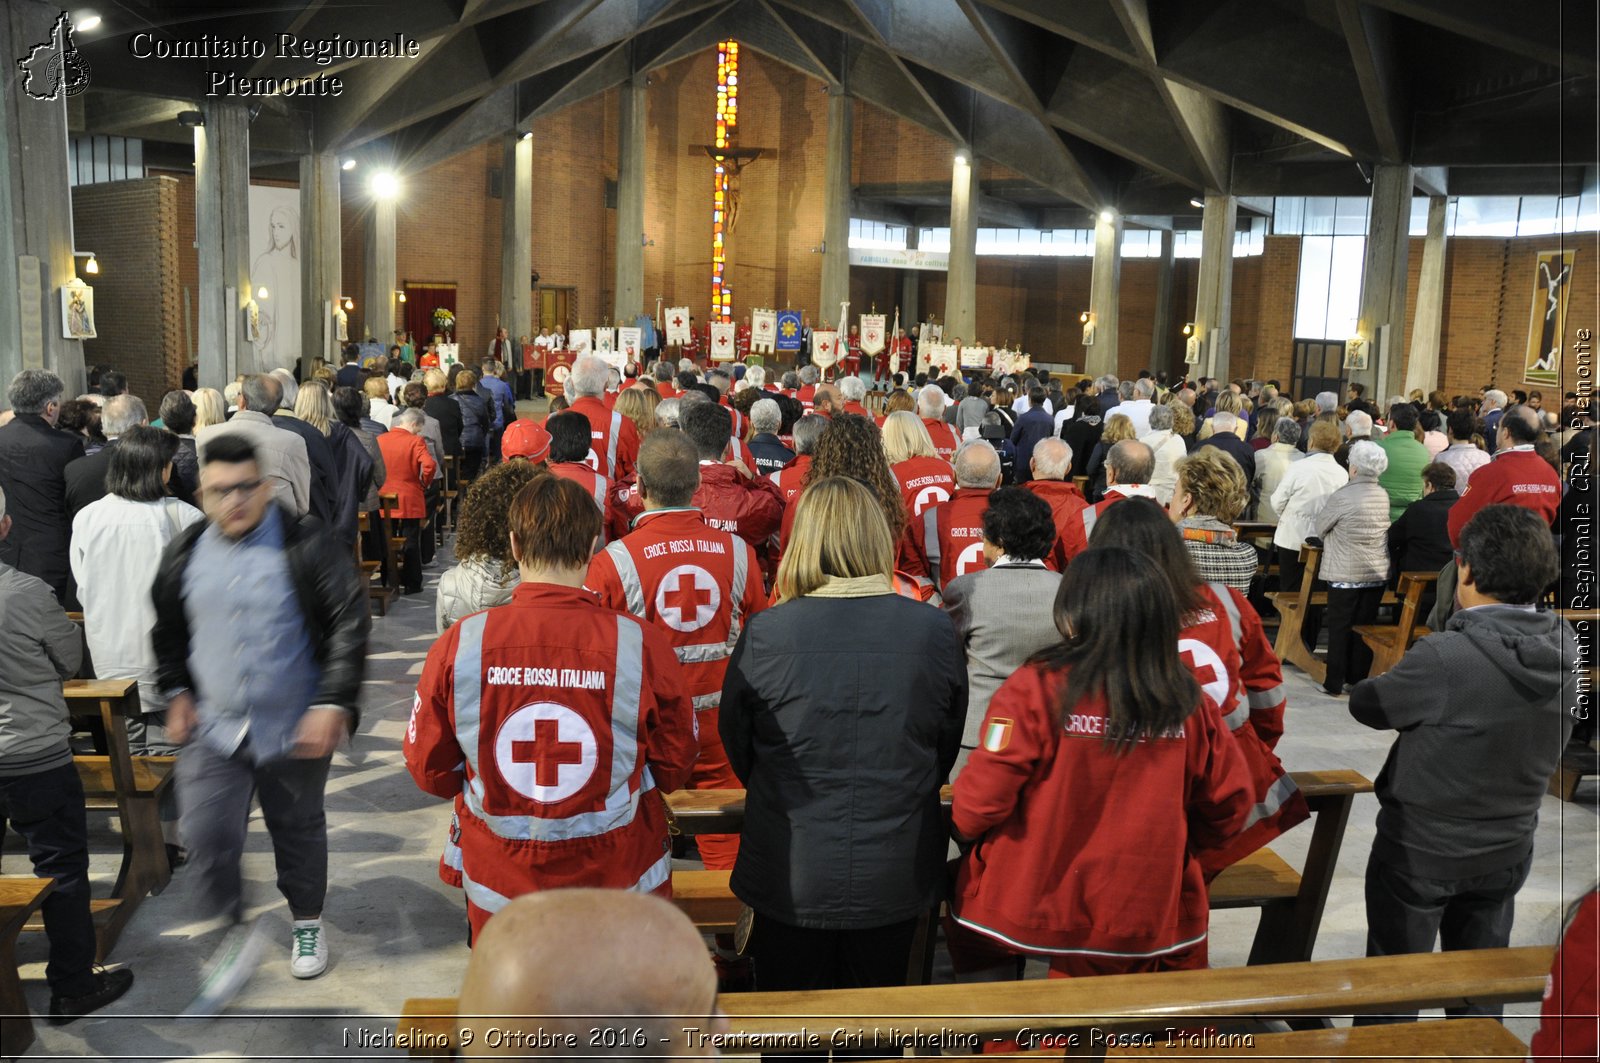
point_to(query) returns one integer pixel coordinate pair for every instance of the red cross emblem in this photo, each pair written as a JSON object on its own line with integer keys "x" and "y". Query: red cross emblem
{"x": 765, "y": 325}
{"x": 1209, "y": 669}
{"x": 722, "y": 340}
{"x": 677, "y": 321}
{"x": 546, "y": 752}
{"x": 687, "y": 598}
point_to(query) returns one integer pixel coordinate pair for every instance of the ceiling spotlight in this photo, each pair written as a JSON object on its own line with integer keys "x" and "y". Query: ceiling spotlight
{"x": 91, "y": 266}
{"x": 1108, "y": 216}
{"x": 86, "y": 21}
{"x": 528, "y": 135}
{"x": 385, "y": 185}
{"x": 347, "y": 165}
{"x": 963, "y": 156}
{"x": 261, "y": 292}
{"x": 191, "y": 119}
{"x": 1197, "y": 202}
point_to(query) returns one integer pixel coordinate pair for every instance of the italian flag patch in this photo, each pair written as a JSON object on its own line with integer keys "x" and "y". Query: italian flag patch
{"x": 997, "y": 735}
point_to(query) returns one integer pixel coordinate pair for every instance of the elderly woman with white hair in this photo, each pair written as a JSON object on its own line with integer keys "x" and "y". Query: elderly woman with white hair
{"x": 768, "y": 450}
{"x": 1354, "y": 527}
{"x": 1168, "y": 447}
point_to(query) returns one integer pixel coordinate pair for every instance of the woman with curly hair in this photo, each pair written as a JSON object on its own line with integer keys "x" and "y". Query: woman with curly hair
{"x": 485, "y": 573}
{"x": 638, "y": 404}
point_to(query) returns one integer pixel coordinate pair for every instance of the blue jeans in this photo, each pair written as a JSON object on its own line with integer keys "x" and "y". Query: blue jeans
{"x": 46, "y": 809}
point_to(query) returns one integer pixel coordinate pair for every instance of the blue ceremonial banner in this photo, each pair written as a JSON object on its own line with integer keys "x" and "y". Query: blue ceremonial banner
{"x": 788, "y": 330}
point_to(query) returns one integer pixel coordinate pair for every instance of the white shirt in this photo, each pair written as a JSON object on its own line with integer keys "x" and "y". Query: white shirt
{"x": 383, "y": 412}
{"x": 115, "y": 553}
{"x": 1137, "y": 411}
{"x": 1168, "y": 448}
{"x": 1022, "y": 405}
{"x": 545, "y": 342}
{"x": 1305, "y": 486}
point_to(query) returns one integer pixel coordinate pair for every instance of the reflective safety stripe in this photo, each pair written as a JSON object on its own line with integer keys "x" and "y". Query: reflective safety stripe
{"x": 705, "y": 651}
{"x": 1230, "y": 607}
{"x": 655, "y": 875}
{"x": 1089, "y": 517}
{"x": 482, "y": 895}
{"x": 1279, "y": 792}
{"x": 1266, "y": 699}
{"x": 622, "y": 804}
{"x": 930, "y": 541}
{"x": 611, "y": 446}
{"x": 707, "y": 701}
{"x": 467, "y": 685}
{"x": 628, "y": 574}
{"x": 1237, "y": 718}
{"x": 741, "y": 574}
{"x": 1033, "y": 947}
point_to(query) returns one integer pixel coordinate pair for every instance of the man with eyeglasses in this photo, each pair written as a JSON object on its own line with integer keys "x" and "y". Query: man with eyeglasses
{"x": 260, "y": 639}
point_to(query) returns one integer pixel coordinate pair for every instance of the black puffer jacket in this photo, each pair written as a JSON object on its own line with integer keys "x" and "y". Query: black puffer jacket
{"x": 843, "y": 717}
{"x": 331, "y": 598}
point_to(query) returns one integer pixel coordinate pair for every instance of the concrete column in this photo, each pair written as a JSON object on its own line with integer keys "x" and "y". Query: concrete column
{"x": 35, "y": 209}
{"x": 836, "y": 207}
{"x": 222, "y": 229}
{"x": 516, "y": 239}
{"x": 910, "y": 284}
{"x": 1213, "y": 308}
{"x": 630, "y": 199}
{"x": 1383, "y": 281}
{"x": 1161, "y": 333}
{"x": 1104, "y": 294}
{"x": 961, "y": 288}
{"x": 320, "y": 268}
{"x": 381, "y": 274}
{"x": 1422, "y": 365}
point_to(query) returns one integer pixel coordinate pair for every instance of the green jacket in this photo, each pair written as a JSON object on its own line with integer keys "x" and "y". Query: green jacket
{"x": 1403, "y": 479}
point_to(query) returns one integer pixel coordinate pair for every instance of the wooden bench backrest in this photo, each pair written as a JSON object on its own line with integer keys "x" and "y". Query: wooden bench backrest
{"x": 1412, "y": 586}
{"x": 1311, "y": 559}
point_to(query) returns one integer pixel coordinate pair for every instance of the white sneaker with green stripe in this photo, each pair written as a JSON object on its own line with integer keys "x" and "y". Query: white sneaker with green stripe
{"x": 308, "y": 952}
{"x": 228, "y": 970}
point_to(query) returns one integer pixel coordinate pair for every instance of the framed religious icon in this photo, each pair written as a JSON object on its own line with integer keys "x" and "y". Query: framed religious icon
{"x": 77, "y": 311}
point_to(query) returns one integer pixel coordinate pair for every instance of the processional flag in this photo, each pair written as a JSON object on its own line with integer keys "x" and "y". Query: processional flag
{"x": 605, "y": 340}
{"x": 580, "y": 340}
{"x": 872, "y": 333}
{"x": 824, "y": 348}
{"x": 724, "y": 341}
{"x": 763, "y": 329}
{"x": 628, "y": 340}
{"x": 789, "y": 330}
{"x": 677, "y": 325}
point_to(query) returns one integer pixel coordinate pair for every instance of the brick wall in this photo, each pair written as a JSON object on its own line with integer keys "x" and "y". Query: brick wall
{"x": 134, "y": 228}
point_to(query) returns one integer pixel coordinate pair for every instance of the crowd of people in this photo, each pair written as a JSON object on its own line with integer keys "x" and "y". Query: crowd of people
{"x": 719, "y": 577}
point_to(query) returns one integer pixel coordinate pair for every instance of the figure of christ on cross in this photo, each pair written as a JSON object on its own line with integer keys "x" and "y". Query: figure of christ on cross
{"x": 546, "y": 752}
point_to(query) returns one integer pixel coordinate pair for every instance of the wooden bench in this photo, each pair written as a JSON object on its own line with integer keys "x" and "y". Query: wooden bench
{"x": 1389, "y": 642}
{"x": 1292, "y": 607}
{"x": 130, "y": 786}
{"x": 20, "y": 897}
{"x": 996, "y": 1011}
{"x": 1291, "y": 903}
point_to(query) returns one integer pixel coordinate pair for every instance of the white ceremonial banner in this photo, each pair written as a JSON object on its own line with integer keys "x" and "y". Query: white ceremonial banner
{"x": 763, "y": 330}
{"x": 724, "y": 341}
{"x": 627, "y": 349}
{"x": 942, "y": 359}
{"x": 824, "y": 348}
{"x": 975, "y": 357}
{"x": 677, "y": 325}
{"x": 872, "y": 333}
{"x": 605, "y": 340}
{"x": 1003, "y": 361}
{"x": 580, "y": 341}
{"x": 930, "y": 332}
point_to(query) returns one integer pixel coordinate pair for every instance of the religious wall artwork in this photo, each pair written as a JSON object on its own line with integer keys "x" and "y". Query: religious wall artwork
{"x": 77, "y": 311}
{"x": 252, "y": 322}
{"x": 275, "y": 265}
{"x": 1552, "y": 277}
{"x": 763, "y": 330}
{"x": 824, "y": 348}
{"x": 1356, "y": 354}
{"x": 341, "y": 324}
{"x": 1191, "y": 351}
{"x": 872, "y": 334}
{"x": 724, "y": 341}
{"x": 580, "y": 341}
{"x": 677, "y": 326}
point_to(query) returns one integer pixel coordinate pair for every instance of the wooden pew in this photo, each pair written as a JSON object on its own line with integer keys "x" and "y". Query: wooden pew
{"x": 1292, "y": 607}
{"x": 20, "y": 897}
{"x": 996, "y": 1011}
{"x": 130, "y": 786}
{"x": 1291, "y": 903}
{"x": 1389, "y": 642}
{"x": 380, "y": 590}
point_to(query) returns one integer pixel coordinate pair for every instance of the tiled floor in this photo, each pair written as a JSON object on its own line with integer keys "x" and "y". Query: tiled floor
{"x": 397, "y": 931}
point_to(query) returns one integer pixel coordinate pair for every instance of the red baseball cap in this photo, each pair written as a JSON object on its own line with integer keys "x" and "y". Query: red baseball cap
{"x": 525, "y": 439}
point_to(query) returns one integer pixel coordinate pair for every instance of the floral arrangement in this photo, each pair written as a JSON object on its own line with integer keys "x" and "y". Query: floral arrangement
{"x": 444, "y": 319}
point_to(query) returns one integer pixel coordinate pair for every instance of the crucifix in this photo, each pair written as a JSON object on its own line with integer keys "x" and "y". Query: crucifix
{"x": 730, "y": 161}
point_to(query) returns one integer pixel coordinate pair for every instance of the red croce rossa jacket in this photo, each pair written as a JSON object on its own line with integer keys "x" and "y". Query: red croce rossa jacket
{"x": 556, "y": 720}
{"x": 949, "y": 536}
{"x": 1080, "y": 849}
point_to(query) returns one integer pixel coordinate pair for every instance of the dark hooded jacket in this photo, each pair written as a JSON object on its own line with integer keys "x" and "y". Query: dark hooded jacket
{"x": 1482, "y": 711}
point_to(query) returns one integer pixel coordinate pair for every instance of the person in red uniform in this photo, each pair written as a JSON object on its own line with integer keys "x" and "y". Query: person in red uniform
{"x": 1149, "y": 771}
{"x": 1128, "y": 468}
{"x": 1051, "y": 465}
{"x": 1225, "y": 646}
{"x": 925, "y": 479}
{"x": 569, "y": 445}
{"x": 557, "y": 720}
{"x": 742, "y": 339}
{"x": 614, "y": 439}
{"x": 931, "y": 402}
{"x": 1517, "y": 475}
{"x": 791, "y": 479}
{"x": 698, "y": 585}
{"x": 949, "y": 535}
{"x": 529, "y": 440}
{"x": 852, "y": 353}
{"x": 691, "y": 347}
{"x": 1567, "y": 1026}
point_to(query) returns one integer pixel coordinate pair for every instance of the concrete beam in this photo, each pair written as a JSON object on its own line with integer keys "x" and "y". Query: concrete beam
{"x": 321, "y": 261}
{"x": 1105, "y": 294}
{"x": 1383, "y": 280}
{"x": 835, "y": 281}
{"x": 1561, "y": 35}
{"x": 1422, "y": 361}
{"x": 632, "y": 129}
{"x": 1213, "y": 311}
{"x": 1370, "y": 35}
{"x": 222, "y": 217}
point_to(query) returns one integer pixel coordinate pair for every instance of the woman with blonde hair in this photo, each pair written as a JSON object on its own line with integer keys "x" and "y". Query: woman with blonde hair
{"x": 925, "y": 479}
{"x": 354, "y": 463}
{"x": 842, "y": 764}
{"x": 900, "y": 399}
{"x": 1229, "y": 402}
{"x": 209, "y": 408}
{"x": 1118, "y": 427}
{"x": 1183, "y": 424}
{"x": 1210, "y": 495}
{"x": 314, "y": 405}
{"x": 638, "y": 404}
